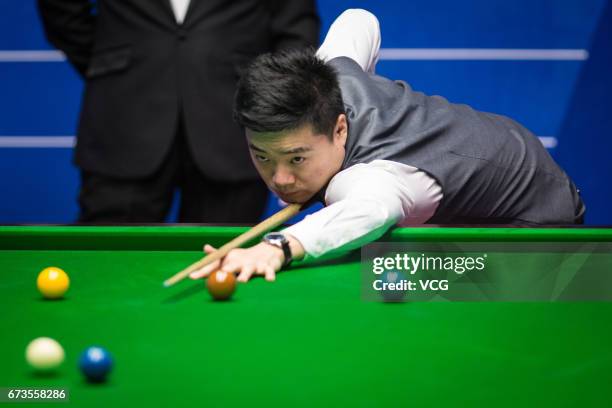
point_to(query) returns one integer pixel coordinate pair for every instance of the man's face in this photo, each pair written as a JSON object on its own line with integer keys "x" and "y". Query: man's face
{"x": 296, "y": 164}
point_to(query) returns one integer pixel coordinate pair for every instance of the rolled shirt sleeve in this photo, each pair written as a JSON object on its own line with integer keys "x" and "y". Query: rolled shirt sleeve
{"x": 354, "y": 34}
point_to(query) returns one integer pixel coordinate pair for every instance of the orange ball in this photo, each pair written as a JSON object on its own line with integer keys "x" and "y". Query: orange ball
{"x": 221, "y": 285}
{"x": 52, "y": 282}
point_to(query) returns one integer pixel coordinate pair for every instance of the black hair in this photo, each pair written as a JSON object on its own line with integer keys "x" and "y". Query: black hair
{"x": 287, "y": 89}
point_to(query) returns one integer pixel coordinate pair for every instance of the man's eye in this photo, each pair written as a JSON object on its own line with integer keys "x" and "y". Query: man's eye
{"x": 298, "y": 160}
{"x": 261, "y": 158}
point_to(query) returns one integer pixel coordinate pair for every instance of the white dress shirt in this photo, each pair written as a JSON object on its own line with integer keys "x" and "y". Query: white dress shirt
{"x": 179, "y": 7}
{"x": 365, "y": 200}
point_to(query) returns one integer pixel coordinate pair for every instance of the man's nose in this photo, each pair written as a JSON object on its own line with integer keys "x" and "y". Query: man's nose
{"x": 283, "y": 177}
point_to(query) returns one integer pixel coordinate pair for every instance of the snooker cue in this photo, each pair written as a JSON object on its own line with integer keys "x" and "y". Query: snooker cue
{"x": 259, "y": 229}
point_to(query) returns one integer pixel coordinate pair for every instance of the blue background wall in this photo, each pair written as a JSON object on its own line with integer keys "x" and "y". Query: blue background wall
{"x": 563, "y": 99}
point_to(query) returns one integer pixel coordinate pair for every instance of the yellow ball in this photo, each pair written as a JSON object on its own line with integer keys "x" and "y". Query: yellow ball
{"x": 53, "y": 282}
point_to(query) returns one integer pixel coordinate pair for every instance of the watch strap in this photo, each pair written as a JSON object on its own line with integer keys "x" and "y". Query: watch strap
{"x": 280, "y": 241}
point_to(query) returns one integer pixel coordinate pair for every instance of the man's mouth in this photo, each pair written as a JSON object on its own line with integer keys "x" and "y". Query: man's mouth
{"x": 289, "y": 196}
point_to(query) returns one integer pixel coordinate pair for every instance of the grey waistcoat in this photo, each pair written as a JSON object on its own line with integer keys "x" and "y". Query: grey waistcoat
{"x": 490, "y": 168}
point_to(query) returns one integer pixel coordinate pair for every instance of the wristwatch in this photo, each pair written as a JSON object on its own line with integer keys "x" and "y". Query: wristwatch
{"x": 280, "y": 241}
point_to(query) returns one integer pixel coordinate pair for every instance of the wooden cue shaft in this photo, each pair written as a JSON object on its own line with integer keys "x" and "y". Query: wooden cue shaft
{"x": 259, "y": 229}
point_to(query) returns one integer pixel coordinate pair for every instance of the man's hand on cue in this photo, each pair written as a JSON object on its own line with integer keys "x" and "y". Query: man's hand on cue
{"x": 260, "y": 260}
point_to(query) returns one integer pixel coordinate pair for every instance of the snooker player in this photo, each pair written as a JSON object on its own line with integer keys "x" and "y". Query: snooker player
{"x": 378, "y": 154}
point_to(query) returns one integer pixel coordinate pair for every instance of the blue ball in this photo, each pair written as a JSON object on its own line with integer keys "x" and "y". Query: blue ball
{"x": 394, "y": 276}
{"x": 95, "y": 363}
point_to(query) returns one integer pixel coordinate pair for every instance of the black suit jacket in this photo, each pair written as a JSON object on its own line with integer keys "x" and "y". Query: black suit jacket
{"x": 142, "y": 70}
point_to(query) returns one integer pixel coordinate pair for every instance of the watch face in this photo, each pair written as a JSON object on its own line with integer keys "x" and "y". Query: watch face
{"x": 275, "y": 236}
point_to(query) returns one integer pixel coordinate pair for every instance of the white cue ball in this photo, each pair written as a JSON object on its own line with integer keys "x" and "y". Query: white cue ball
{"x": 44, "y": 353}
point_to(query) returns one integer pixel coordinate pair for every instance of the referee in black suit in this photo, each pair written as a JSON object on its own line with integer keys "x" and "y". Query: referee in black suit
{"x": 157, "y": 108}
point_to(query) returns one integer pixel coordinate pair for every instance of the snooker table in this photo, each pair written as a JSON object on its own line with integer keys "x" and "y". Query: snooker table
{"x": 306, "y": 340}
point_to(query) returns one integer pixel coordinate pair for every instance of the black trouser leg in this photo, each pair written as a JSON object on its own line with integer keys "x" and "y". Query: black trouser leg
{"x": 209, "y": 201}
{"x": 223, "y": 202}
{"x": 105, "y": 199}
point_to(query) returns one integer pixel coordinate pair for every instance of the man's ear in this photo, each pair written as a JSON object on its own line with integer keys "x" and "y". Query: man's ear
{"x": 341, "y": 130}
